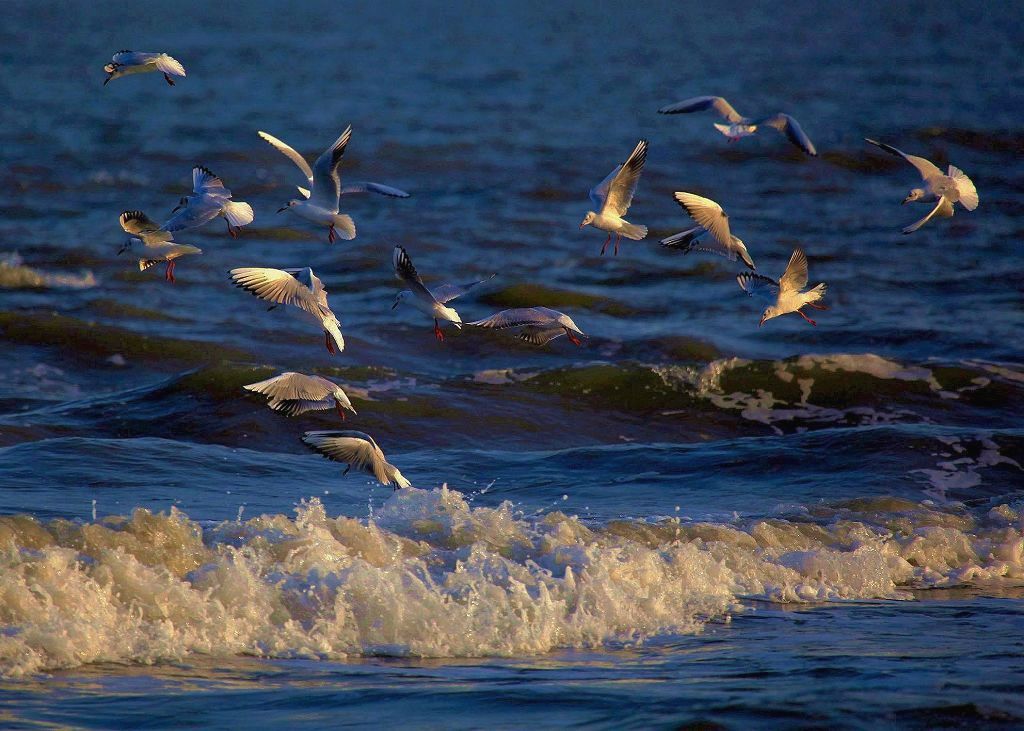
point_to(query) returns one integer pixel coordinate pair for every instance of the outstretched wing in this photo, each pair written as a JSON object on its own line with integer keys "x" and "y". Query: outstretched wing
{"x": 794, "y": 279}
{"x": 708, "y": 214}
{"x": 354, "y": 448}
{"x": 535, "y": 335}
{"x": 365, "y": 187}
{"x": 195, "y": 214}
{"x": 205, "y": 183}
{"x": 294, "y": 386}
{"x": 405, "y": 271}
{"x": 141, "y": 225}
{"x": 620, "y": 186}
{"x": 291, "y": 154}
{"x": 926, "y": 168}
{"x": 278, "y": 286}
{"x": 702, "y": 103}
{"x": 792, "y": 129}
{"x": 758, "y": 285}
{"x": 447, "y": 292}
{"x": 942, "y": 208}
{"x": 326, "y": 178}
{"x": 517, "y": 317}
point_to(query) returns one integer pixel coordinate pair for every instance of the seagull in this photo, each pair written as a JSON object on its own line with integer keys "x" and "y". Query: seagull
{"x": 740, "y": 126}
{"x": 296, "y": 393}
{"x": 612, "y": 199}
{"x": 298, "y": 287}
{"x": 356, "y": 449}
{"x": 540, "y": 325}
{"x": 948, "y": 189}
{"x": 138, "y": 62}
{"x": 159, "y": 244}
{"x": 711, "y": 235}
{"x": 431, "y": 302}
{"x": 784, "y": 295}
{"x": 209, "y": 199}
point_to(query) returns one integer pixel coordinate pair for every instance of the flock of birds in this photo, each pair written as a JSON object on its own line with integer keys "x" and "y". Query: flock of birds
{"x": 296, "y": 393}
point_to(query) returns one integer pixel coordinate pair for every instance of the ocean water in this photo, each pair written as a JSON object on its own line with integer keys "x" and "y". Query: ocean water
{"x": 689, "y": 520}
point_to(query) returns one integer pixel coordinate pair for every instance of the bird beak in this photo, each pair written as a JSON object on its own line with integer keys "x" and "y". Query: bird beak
{"x": 395, "y": 304}
{"x": 762, "y": 321}
{"x": 285, "y": 208}
{"x": 907, "y": 200}
{"x": 106, "y": 80}
{"x": 124, "y": 248}
{"x": 175, "y": 209}
{"x": 582, "y": 225}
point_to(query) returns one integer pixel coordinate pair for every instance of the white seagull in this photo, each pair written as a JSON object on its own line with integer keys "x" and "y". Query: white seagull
{"x": 740, "y": 126}
{"x": 296, "y": 393}
{"x": 298, "y": 287}
{"x": 712, "y": 235}
{"x": 433, "y": 302}
{"x": 612, "y": 199}
{"x": 540, "y": 325}
{"x": 785, "y": 295}
{"x": 208, "y": 200}
{"x": 948, "y": 189}
{"x": 138, "y": 62}
{"x": 356, "y": 449}
{"x": 159, "y": 245}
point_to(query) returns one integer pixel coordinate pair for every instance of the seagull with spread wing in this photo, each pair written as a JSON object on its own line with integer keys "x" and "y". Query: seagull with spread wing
{"x": 712, "y": 233}
{"x": 613, "y": 197}
{"x": 159, "y": 245}
{"x": 431, "y": 301}
{"x": 138, "y": 62}
{"x": 325, "y": 188}
{"x": 785, "y": 295}
{"x": 297, "y": 287}
{"x": 739, "y": 126}
{"x": 538, "y": 325}
{"x": 948, "y": 189}
{"x": 356, "y": 449}
{"x": 296, "y": 393}
{"x": 209, "y": 199}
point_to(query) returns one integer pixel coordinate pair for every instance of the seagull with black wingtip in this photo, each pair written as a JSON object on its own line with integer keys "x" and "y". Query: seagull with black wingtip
{"x": 139, "y": 62}
{"x": 739, "y": 126}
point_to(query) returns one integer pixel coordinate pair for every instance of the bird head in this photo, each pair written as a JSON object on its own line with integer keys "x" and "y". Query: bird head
{"x": 588, "y": 219}
{"x": 768, "y": 314}
{"x": 111, "y": 69}
{"x": 914, "y": 195}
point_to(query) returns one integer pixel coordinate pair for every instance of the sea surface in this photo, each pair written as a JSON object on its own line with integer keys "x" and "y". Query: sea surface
{"x": 688, "y": 520}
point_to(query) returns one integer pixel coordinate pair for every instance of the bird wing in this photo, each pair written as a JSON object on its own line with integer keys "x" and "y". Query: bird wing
{"x": 708, "y": 214}
{"x": 447, "y": 292}
{"x": 943, "y": 208}
{"x": 195, "y": 213}
{"x": 294, "y": 407}
{"x": 326, "y": 179}
{"x": 291, "y": 154}
{"x": 353, "y": 448}
{"x": 536, "y": 335}
{"x": 134, "y": 58}
{"x": 699, "y": 238}
{"x": 794, "y": 279}
{"x": 280, "y": 286}
{"x": 520, "y": 316}
{"x": 758, "y": 285}
{"x": 141, "y": 225}
{"x": 926, "y": 168}
{"x": 621, "y": 185}
{"x": 365, "y": 187}
{"x": 702, "y": 103}
{"x": 292, "y": 386}
{"x": 792, "y": 129}
{"x": 405, "y": 271}
{"x": 205, "y": 183}
{"x": 169, "y": 65}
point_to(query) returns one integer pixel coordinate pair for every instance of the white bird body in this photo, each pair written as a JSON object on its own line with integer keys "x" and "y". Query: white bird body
{"x": 125, "y": 63}
{"x": 712, "y": 234}
{"x": 739, "y": 126}
{"x": 612, "y": 198}
{"x": 298, "y": 287}
{"x": 946, "y": 189}
{"x": 356, "y": 449}
{"x": 785, "y": 295}
{"x": 159, "y": 245}
{"x": 296, "y": 393}
{"x": 539, "y": 325}
{"x": 208, "y": 200}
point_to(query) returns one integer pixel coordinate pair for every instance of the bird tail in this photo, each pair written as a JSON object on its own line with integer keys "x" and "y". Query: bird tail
{"x": 633, "y": 231}
{"x": 344, "y": 226}
{"x": 965, "y": 186}
{"x": 815, "y": 294}
{"x": 238, "y": 213}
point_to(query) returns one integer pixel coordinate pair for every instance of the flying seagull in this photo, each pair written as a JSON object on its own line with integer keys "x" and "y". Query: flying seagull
{"x": 298, "y": 287}
{"x": 948, "y": 189}
{"x": 712, "y": 233}
{"x": 540, "y": 325}
{"x": 356, "y": 449}
{"x": 209, "y": 199}
{"x": 612, "y": 199}
{"x": 740, "y": 126}
{"x": 137, "y": 62}
{"x": 433, "y": 302}
{"x": 158, "y": 244}
{"x": 785, "y": 295}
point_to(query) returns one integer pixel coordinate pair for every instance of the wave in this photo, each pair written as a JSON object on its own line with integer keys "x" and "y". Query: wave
{"x": 431, "y": 575}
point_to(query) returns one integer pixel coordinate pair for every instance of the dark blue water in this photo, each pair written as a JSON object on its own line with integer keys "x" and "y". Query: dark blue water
{"x": 690, "y": 519}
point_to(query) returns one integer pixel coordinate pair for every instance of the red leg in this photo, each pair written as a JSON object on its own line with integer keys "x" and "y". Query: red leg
{"x": 169, "y": 272}
{"x": 341, "y": 411}
{"x": 437, "y": 331}
{"x": 330, "y": 234}
{"x": 573, "y": 339}
{"x": 327, "y": 342}
{"x": 168, "y": 79}
{"x": 234, "y": 234}
{"x": 606, "y": 242}
{"x": 806, "y": 317}
{"x": 816, "y": 306}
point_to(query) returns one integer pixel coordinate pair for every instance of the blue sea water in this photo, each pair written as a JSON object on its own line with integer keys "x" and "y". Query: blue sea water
{"x": 689, "y": 520}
